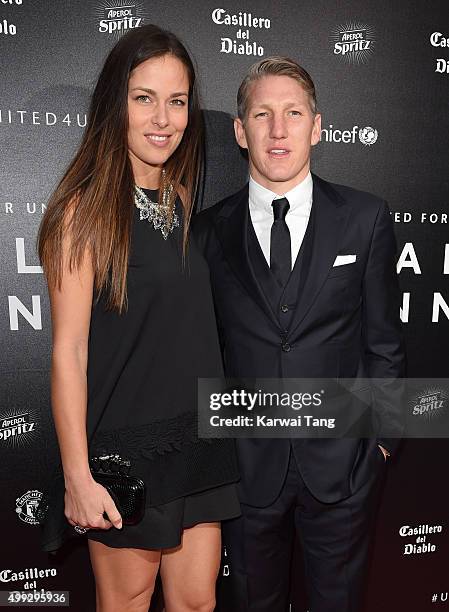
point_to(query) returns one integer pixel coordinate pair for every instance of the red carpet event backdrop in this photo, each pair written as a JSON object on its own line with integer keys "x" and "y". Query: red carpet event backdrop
{"x": 382, "y": 75}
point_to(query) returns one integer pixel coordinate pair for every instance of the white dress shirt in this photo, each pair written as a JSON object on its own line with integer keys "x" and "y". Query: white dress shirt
{"x": 297, "y": 218}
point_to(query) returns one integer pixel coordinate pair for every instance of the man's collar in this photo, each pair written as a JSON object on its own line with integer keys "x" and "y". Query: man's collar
{"x": 299, "y": 197}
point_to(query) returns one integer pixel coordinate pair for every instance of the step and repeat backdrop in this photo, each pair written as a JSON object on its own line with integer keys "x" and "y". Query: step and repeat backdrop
{"x": 382, "y": 75}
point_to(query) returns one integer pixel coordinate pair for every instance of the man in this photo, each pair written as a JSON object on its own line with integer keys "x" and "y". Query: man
{"x": 304, "y": 281}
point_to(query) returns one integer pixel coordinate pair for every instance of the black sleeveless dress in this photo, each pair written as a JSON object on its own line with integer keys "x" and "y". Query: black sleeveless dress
{"x": 142, "y": 375}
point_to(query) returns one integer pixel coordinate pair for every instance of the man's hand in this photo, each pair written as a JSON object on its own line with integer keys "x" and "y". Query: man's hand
{"x": 384, "y": 451}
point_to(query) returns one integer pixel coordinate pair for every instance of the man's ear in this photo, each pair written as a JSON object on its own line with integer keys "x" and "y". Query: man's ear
{"x": 240, "y": 136}
{"x": 316, "y": 130}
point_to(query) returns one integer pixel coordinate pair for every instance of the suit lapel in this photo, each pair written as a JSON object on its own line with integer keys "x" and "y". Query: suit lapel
{"x": 261, "y": 270}
{"x": 329, "y": 220}
{"x": 232, "y": 229}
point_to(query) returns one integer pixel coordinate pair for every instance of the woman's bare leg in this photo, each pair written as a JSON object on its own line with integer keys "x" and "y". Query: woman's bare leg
{"x": 124, "y": 577}
{"x": 189, "y": 571}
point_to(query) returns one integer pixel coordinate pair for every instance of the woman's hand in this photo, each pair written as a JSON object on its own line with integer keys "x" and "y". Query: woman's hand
{"x": 85, "y": 503}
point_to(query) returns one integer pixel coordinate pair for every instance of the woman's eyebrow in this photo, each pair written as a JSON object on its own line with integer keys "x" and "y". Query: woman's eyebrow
{"x": 153, "y": 93}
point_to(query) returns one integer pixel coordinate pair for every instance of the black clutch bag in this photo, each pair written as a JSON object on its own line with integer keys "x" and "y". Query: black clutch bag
{"x": 128, "y": 492}
{"x": 111, "y": 471}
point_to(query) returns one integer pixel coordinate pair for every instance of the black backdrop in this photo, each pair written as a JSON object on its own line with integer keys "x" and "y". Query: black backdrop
{"x": 384, "y": 104}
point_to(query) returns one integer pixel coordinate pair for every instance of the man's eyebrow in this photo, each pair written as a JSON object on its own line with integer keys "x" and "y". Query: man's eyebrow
{"x": 176, "y": 94}
{"x": 268, "y": 105}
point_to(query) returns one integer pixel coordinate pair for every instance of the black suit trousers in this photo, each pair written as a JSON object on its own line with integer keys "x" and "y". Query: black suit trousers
{"x": 335, "y": 540}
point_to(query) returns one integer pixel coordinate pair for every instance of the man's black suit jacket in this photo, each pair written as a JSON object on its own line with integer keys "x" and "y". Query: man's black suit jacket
{"x": 346, "y": 323}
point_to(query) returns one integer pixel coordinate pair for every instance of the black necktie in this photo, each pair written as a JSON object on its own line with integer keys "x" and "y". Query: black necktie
{"x": 280, "y": 247}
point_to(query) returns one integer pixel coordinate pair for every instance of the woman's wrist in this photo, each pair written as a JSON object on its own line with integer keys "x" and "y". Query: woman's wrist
{"x": 76, "y": 478}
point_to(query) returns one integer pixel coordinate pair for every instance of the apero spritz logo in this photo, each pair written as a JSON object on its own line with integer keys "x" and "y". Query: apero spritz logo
{"x": 17, "y": 428}
{"x": 430, "y": 403}
{"x": 116, "y": 18}
{"x": 353, "y": 42}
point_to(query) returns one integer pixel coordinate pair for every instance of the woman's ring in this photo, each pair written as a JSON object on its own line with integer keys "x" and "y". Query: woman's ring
{"x": 80, "y": 530}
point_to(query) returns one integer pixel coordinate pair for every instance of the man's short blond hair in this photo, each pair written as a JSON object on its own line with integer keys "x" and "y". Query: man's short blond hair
{"x": 275, "y": 66}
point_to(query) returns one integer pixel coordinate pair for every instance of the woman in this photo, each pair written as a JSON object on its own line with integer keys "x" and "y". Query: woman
{"x": 133, "y": 328}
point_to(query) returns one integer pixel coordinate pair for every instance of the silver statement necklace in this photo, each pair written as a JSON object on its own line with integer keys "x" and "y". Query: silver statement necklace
{"x": 155, "y": 213}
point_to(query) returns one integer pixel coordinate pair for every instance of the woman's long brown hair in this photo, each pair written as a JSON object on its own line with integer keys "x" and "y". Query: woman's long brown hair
{"x": 93, "y": 202}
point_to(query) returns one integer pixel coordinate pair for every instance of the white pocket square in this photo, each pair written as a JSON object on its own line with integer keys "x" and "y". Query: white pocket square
{"x": 342, "y": 260}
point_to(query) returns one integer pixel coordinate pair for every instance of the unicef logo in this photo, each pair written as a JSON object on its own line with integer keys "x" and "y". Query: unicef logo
{"x": 368, "y": 135}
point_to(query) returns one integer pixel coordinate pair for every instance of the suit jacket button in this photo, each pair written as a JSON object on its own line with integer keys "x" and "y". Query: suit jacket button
{"x": 284, "y": 308}
{"x": 286, "y": 347}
